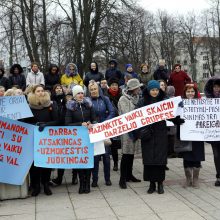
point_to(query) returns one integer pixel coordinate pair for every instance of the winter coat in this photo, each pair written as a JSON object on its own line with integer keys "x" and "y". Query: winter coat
{"x": 103, "y": 108}
{"x": 209, "y": 86}
{"x": 43, "y": 109}
{"x": 114, "y": 73}
{"x": 52, "y": 79}
{"x": 5, "y": 82}
{"x": 79, "y": 112}
{"x": 67, "y": 80}
{"x": 18, "y": 80}
{"x": 197, "y": 153}
{"x": 114, "y": 100}
{"x": 97, "y": 76}
{"x": 145, "y": 77}
{"x": 154, "y": 149}
{"x": 161, "y": 74}
{"x": 126, "y": 104}
{"x": 179, "y": 80}
{"x": 133, "y": 74}
{"x": 35, "y": 78}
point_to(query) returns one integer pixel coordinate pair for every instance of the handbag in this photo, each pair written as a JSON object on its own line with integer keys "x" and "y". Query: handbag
{"x": 182, "y": 146}
{"x": 145, "y": 133}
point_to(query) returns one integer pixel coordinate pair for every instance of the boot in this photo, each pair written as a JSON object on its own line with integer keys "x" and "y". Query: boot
{"x": 129, "y": 175}
{"x": 188, "y": 174}
{"x": 81, "y": 181}
{"x": 152, "y": 188}
{"x": 217, "y": 182}
{"x": 59, "y": 179}
{"x": 87, "y": 182}
{"x": 47, "y": 189}
{"x": 160, "y": 189}
{"x": 122, "y": 183}
{"x": 195, "y": 183}
{"x": 115, "y": 167}
{"x": 74, "y": 177}
{"x": 36, "y": 191}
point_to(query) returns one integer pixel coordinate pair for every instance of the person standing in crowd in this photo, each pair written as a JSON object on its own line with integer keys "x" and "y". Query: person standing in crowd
{"x": 114, "y": 94}
{"x": 145, "y": 76}
{"x": 71, "y": 76}
{"x": 4, "y": 81}
{"x": 161, "y": 72}
{"x": 127, "y": 77}
{"x": 130, "y": 146}
{"x": 104, "y": 111}
{"x": 178, "y": 79}
{"x": 17, "y": 77}
{"x": 93, "y": 74}
{"x": 154, "y": 140}
{"x": 35, "y": 77}
{"x": 52, "y": 77}
{"x": 80, "y": 112}
{"x": 129, "y": 70}
{"x": 114, "y": 72}
{"x": 212, "y": 90}
{"x": 2, "y": 91}
{"x": 44, "y": 114}
{"x": 104, "y": 86}
{"x": 192, "y": 159}
{"x": 163, "y": 85}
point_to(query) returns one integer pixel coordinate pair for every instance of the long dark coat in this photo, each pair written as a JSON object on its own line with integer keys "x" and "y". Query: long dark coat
{"x": 154, "y": 149}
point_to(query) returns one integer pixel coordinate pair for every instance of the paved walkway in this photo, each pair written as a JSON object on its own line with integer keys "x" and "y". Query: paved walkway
{"x": 110, "y": 202}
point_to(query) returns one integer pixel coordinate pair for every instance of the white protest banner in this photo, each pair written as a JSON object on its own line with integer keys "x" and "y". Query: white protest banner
{"x": 135, "y": 119}
{"x": 202, "y": 120}
{"x": 14, "y": 107}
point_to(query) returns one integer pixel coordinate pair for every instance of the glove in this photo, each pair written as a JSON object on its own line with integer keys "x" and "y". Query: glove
{"x": 181, "y": 105}
{"x": 41, "y": 126}
{"x": 178, "y": 120}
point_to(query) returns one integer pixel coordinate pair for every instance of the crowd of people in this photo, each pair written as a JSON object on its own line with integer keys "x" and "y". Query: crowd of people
{"x": 67, "y": 99}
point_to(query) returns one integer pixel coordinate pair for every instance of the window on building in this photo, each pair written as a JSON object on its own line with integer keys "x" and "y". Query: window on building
{"x": 205, "y": 66}
{"x": 185, "y": 62}
{"x": 205, "y": 58}
{"x": 205, "y": 75}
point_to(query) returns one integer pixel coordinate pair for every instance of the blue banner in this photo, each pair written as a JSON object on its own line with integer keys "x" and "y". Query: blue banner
{"x": 63, "y": 147}
{"x": 16, "y": 150}
{"x": 14, "y": 107}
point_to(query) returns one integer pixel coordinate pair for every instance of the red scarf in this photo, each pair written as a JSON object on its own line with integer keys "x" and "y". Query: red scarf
{"x": 113, "y": 92}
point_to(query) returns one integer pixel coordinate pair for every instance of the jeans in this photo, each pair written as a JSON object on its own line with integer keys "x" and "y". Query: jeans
{"x": 106, "y": 165}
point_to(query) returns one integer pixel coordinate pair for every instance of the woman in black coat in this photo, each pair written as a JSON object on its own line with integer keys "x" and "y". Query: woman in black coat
{"x": 192, "y": 159}
{"x": 154, "y": 147}
{"x": 17, "y": 77}
{"x": 81, "y": 113}
{"x": 52, "y": 77}
{"x": 44, "y": 114}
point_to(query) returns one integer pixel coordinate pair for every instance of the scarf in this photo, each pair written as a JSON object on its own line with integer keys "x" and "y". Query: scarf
{"x": 39, "y": 102}
{"x": 113, "y": 92}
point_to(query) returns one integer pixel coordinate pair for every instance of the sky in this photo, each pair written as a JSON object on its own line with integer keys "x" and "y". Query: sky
{"x": 175, "y": 6}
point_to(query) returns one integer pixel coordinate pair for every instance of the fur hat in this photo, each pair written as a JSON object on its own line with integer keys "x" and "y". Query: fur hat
{"x": 153, "y": 84}
{"x": 77, "y": 89}
{"x": 133, "y": 84}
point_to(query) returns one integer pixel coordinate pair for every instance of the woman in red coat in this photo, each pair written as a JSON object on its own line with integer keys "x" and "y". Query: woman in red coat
{"x": 178, "y": 79}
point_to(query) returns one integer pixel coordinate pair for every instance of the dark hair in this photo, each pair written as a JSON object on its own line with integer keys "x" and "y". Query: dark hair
{"x": 2, "y": 69}
{"x": 54, "y": 66}
{"x": 34, "y": 63}
{"x": 14, "y": 66}
{"x": 190, "y": 86}
{"x": 177, "y": 64}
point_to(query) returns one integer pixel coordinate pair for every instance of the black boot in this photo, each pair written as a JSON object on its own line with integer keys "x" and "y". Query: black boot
{"x": 87, "y": 181}
{"x": 47, "y": 189}
{"x": 129, "y": 175}
{"x": 35, "y": 191}
{"x": 152, "y": 188}
{"x": 115, "y": 167}
{"x": 160, "y": 189}
{"x": 122, "y": 183}
{"x": 59, "y": 179}
{"x": 74, "y": 177}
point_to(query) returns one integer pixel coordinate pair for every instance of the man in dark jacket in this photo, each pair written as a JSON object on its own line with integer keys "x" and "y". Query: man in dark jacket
{"x": 114, "y": 72}
{"x": 161, "y": 72}
{"x": 3, "y": 80}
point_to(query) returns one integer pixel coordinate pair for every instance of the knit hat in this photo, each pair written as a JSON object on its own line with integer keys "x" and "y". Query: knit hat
{"x": 113, "y": 80}
{"x": 128, "y": 65}
{"x": 153, "y": 84}
{"x": 77, "y": 89}
{"x": 133, "y": 84}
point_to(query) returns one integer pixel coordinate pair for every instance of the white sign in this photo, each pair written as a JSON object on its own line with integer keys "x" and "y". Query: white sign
{"x": 135, "y": 119}
{"x": 202, "y": 120}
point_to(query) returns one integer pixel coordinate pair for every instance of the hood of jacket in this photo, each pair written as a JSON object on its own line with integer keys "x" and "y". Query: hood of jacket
{"x": 209, "y": 86}
{"x": 73, "y": 104}
{"x": 67, "y": 70}
{"x": 39, "y": 102}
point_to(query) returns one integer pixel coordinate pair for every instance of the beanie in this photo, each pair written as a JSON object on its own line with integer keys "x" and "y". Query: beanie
{"x": 128, "y": 65}
{"x": 153, "y": 84}
{"x": 77, "y": 89}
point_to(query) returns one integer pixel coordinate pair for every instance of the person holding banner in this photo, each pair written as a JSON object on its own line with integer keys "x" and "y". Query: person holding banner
{"x": 104, "y": 111}
{"x": 212, "y": 90}
{"x": 80, "y": 112}
{"x": 130, "y": 145}
{"x": 154, "y": 140}
{"x": 192, "y": 159}
{"x": 44, "y": 114}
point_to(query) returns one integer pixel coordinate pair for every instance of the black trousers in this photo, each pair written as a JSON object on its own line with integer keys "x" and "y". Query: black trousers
{"x": 216, "y": 153}
{"x": 39, "y": 175}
